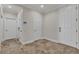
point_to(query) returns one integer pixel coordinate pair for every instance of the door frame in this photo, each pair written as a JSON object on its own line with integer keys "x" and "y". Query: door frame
{"x": 5, "y": 26}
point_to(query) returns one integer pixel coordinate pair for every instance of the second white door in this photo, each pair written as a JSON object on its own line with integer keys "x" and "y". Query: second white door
{"x": 10, "y": 28}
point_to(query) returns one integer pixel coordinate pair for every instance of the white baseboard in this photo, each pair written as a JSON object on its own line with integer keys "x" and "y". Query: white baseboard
{"x": 38, "y": 39}
{"x": 53, "y": 40}
{"x": 58, "y": 41}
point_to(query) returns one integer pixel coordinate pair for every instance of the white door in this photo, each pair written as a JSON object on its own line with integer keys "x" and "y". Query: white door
{"x": 68, "y": 26}
{"x": 61, "y": 25}
{"x": 10, "y": 29}
{"x": 0, "y": 29}
{"x": 0, "y": 26}
{"x": 78, "y": 25}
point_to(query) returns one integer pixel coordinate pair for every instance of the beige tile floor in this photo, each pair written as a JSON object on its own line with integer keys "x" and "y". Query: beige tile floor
{"x": 41, "y": 46}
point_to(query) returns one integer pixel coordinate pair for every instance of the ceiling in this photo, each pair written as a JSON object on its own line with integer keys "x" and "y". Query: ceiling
{"x": 47, "y": 7}
{"x": 14, "y": 9}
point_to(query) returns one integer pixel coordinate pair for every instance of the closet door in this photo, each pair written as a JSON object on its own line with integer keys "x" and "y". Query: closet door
{"x": 78, "y": 25}
{"x": 0, "y": 29}
{"x": 0, "y": 23}
{"x": 10, "y": 29}
{"x": 68, "y": 26}
{"x": 61, "y": 25}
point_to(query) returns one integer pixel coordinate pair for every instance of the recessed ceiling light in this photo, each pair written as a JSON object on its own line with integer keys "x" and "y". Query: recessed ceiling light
{"x": 42, "y": 6}
{"x": 9, "y": 6}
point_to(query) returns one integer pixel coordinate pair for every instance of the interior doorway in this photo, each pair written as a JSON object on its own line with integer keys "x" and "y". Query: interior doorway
{"x": 10, "y": 29}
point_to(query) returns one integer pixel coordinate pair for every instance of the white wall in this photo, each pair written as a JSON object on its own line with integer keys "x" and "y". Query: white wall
{"x": 32, "y": 29}
{"x": 37, "y": 24}
{"x": 50, "y": 26}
